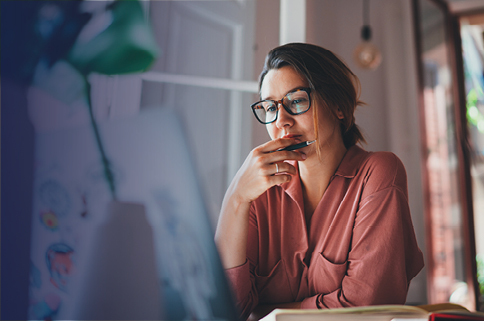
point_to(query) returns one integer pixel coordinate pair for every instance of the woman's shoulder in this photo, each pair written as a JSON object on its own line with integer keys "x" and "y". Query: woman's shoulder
{"x": 360, "y": 160}
{"x": 385, "y": 161}
{"x": 383, "y": 169}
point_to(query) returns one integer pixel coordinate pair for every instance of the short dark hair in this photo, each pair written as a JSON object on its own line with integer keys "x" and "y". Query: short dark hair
{"x": 333, "y": 85}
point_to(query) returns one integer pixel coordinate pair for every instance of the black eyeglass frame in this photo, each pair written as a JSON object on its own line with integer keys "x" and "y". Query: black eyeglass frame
{"x": 277, "y": 102}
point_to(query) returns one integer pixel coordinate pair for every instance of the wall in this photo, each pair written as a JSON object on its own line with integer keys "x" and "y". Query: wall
{"x": 266, "y": 38}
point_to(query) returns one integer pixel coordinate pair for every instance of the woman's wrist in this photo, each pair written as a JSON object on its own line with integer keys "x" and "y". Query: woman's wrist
{"x": 234, "y": 201}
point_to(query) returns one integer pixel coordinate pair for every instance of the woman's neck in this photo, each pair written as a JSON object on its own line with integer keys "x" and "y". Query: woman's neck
{"x": 315, "y": 174}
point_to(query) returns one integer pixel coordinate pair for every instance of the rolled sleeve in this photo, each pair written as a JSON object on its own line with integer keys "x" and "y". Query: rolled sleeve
{"x": 310, "y": 302}
{"x": 243, "y": 287}
{"x": 239, "y": 279}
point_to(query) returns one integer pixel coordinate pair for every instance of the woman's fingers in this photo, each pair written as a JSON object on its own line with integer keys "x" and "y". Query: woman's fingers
{"x": 279, "y": 168}
{"x": 274, "y": 145}
{"x": 285, "y": 168}
{"x": 280, "y": 179}
{"x": 283, "y": 155}
{"x": 272, "y": 152}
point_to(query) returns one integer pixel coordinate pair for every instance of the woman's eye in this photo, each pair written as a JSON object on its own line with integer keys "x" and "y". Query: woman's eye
{"x": 271, "y": 109}
{"x": 298, "y": 101}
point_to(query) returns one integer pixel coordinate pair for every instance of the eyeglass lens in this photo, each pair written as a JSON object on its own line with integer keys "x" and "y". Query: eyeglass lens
{"x": 294, "y": 103}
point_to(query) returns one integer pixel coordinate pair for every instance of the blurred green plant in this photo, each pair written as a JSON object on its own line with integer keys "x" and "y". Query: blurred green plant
{"x": 480, "y": 273}
{"x": 125, "y": 46}
{"x": 474, "y": 116}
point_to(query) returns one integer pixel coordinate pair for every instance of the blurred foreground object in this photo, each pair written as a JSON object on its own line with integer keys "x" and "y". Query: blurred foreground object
{"x": 118, "y": 277}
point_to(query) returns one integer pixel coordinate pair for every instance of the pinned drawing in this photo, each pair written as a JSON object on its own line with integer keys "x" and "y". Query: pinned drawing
{"x": 55, "y": 196}
{"x": 60, "y": 263}
{"x": 46, "y": 309}
{"x": 49, "y": 220}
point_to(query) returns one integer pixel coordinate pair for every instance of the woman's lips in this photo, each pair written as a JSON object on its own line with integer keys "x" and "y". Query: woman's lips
{"x": 291, "y": 136}
{"x": 297, "y": 138}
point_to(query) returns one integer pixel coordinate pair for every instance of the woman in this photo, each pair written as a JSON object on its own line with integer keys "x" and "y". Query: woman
{"x": 324, "y": 226}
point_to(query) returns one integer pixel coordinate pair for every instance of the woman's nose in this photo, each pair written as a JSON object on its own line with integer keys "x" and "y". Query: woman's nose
{"x": 283, "y": 118}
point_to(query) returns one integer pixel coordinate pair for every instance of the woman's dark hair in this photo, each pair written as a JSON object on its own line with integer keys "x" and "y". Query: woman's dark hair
{"x": 333, "y": 85}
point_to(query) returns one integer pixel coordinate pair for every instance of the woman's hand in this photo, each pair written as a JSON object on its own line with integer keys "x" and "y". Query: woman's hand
{"x": 263, "y": 168}
{"x": 258, "y": 173}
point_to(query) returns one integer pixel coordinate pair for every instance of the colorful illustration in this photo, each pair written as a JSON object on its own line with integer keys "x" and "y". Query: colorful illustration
{"x": 59, "y": 258}
{"x": 46, "y": 309}
{"x": 49, "y": 219}
{"x": 55, "y": 196}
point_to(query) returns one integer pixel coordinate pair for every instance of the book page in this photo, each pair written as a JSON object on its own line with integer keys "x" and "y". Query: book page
{"x": 377, "y": 313}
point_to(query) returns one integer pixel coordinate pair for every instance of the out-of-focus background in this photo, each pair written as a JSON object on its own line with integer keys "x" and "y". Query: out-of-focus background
{"x": 425, "y": 103}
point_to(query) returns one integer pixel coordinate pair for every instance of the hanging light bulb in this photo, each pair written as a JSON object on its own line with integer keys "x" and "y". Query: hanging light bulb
{"x": 366, "y": 54}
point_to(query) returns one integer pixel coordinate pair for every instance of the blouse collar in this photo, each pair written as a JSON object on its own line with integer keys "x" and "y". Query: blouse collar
{"x": 351, "y": 162}
{"x": 348, "y": 168}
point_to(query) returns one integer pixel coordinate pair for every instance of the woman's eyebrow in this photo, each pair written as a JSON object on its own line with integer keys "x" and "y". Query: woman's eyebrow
{"x": 290, "y": 91}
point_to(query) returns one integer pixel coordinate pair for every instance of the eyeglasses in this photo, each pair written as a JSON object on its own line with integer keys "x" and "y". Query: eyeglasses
{"x": 296, "y": 102}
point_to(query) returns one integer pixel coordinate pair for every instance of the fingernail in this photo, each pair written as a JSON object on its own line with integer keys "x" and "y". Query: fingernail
{"x": 304, "y": 156}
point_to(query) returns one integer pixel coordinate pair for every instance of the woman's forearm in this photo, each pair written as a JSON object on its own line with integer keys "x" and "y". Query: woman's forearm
{"x": 232, "y": 230}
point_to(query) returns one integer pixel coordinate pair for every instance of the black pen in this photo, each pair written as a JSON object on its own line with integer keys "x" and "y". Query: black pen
{"x": 297, "y": 146}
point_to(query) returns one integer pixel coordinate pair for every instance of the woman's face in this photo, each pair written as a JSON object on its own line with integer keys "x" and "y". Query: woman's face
{"x": 276, "y": 84}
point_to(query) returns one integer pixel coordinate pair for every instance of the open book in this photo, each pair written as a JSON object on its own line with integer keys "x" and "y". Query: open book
{"x": 445, "y": 312}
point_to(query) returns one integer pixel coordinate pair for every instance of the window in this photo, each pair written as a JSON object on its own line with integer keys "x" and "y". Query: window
{"x": 451, "y": 260}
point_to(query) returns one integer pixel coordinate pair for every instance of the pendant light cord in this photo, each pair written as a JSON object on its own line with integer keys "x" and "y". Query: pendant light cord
{"x": 366, "y": 13}
{"x": 366, "y": 30}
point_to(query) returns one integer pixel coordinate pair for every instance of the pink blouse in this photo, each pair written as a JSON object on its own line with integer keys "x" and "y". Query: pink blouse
{"x": 358, "y": 248}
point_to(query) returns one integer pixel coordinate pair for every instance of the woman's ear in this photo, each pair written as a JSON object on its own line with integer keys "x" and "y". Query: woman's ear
{"x": 340, "y": 115}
